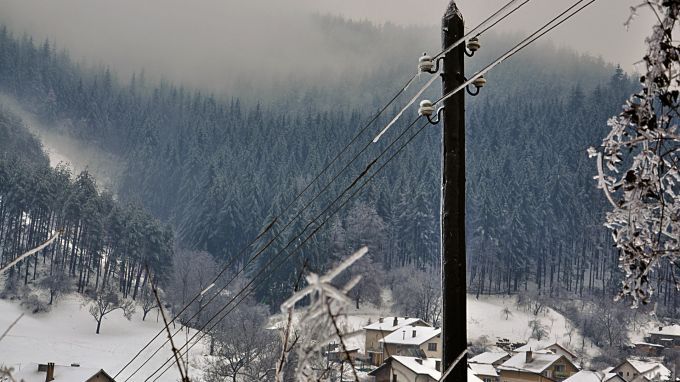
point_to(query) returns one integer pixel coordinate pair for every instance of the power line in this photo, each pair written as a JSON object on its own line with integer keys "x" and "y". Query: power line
{"x": 493, "y": 16}
{"x": 521, "y": 45}
{"x": 452, "y": 46}
{"x": 524, "y": 43}
{"x": 262, "y": 250}
{"x": 370, "y": 164}
{"x": 271, "y": 224}
{"x": 283, "y": 261}
{"x": 366, "y": 127}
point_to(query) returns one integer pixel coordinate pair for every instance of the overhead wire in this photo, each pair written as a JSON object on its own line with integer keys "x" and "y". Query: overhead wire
{"x": 286, "y": 258}
{"x": 231, "y": 262}
{"x": 361, "y": 131}
{"x": 337, "y": 156}
{"x": 519, "y": 46}
{"x": 260, "y": 251}
{"x": 494, "y": 15}
{"x": 363, "y": 173}
{"x": 448, "y": 49}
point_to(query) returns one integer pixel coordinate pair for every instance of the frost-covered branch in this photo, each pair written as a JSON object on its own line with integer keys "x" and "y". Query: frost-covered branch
{"x": 31, "y": 252}
{"x": 637, "y": 162}
{"x": 318, "y": 325}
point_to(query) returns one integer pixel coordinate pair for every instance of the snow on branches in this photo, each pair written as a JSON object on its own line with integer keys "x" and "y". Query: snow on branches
{"x": 318, "y": 325}
{"x": 638, "y": 162}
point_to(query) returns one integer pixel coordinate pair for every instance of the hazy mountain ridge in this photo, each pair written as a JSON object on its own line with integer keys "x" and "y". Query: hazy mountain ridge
{"x": 219, "y": 170}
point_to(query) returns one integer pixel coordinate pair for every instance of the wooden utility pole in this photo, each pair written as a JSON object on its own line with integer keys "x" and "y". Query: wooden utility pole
{"x": 454, "y": 329}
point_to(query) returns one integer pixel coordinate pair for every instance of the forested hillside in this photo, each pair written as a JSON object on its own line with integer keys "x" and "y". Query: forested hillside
{"x": 219, "y": 168}
{"x": 102, "y": 243}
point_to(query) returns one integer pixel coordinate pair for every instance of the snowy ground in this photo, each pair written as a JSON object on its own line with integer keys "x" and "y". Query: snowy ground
{"x": 66, "y": 335}
{"x": 486, "y": 318}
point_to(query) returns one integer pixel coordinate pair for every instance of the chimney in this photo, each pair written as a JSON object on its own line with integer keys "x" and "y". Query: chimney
{"x": 380, "y": 320}
{"x": 414, "y": 333}
{"x": 50, "y": 372}
{"x": 660, "y": 328}
{"x": 530, "y": 356}
{"x": 403, "y": 334}
{"x": 396, "y": 321}
{"x": 438, "y": 365}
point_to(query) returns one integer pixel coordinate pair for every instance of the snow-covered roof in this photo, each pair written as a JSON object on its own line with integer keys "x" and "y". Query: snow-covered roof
{"x": 650, "y": 368}
{"x": 648, "y": 344}
{"x": 538, "y": 363}
{"x": 471, "y": 377}
{"x": 586, "y": 376}
{"x": 535, "y": 346}
{"x": 609, "y": 376}
{"x": 488, "y": 357}
{"x": 411, "y": 335}
{"x": 672, "y": 330}
{"x": 483, "y": 369}
{"x": 426, "y": 368}
{"x": 30, "y": 373}
{"x": 387, "y": 324}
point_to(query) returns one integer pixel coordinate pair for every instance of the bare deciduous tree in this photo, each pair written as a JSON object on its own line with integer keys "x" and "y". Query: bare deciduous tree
{"x": 107, "y": 301}
{"x": 243, "y": 347}
{"x": 417, "y": 293}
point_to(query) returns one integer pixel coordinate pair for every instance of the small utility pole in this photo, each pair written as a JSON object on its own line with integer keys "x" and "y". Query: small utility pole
{"x": 454, "y": 327}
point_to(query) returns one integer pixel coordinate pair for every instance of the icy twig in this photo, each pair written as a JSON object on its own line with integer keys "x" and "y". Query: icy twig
{"x": 31, "y": 252}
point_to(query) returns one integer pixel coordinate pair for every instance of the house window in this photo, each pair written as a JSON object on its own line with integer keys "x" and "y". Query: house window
{"x": 559, "y": 368}
{"x": 432, "y": 346}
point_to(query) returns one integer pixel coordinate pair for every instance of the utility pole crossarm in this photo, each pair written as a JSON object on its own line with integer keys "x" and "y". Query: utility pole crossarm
{"x": 454, "y": 323}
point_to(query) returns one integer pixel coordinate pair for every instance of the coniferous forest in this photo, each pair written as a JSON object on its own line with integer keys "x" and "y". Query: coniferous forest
{"x": 208, "y": 172}
{"x": 101, "y": 242}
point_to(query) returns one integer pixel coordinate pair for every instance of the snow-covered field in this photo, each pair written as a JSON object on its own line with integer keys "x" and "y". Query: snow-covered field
{"x": 486, "y": 318}
{"x": 66, "y": 335}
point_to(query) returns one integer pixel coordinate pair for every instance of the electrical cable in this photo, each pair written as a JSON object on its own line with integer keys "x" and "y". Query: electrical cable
{"x": 291, "y": 241}
{"x": 521, "y": 45}
{"x": 301, "y": 244}
{"x": 271, "y": 224}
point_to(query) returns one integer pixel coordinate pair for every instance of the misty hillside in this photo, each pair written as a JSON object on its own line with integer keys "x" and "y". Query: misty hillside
{"x": 220, "y": 167}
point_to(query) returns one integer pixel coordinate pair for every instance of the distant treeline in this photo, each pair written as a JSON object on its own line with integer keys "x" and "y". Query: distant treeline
{"x": 101, "y": 242}
{"x": 218, "y": 170}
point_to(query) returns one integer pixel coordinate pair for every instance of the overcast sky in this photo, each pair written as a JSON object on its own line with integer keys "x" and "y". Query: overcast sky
{"x": 191, "y": 40}
{"x": 598, "y": 30}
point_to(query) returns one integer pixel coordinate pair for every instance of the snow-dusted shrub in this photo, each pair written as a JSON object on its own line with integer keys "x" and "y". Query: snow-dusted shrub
{"x": 35, "y": 303}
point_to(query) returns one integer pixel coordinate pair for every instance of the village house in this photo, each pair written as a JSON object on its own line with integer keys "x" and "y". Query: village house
{"x": 646, "y": 349}
{"x": 634, "y": 370}
{"x": 490, "y": 358}
{"x": 377, "y": 331}
{"x": 408, "y": 369}
{"x": 594, "y": 376}
{"x": 416, "y": 341}
{"x": 547, "y": 347}
{"x": 668, "y": 336}
{"x": 536, "y": 367}
{"x": 59, "y": 373}
{"x": 484, "y": 371}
